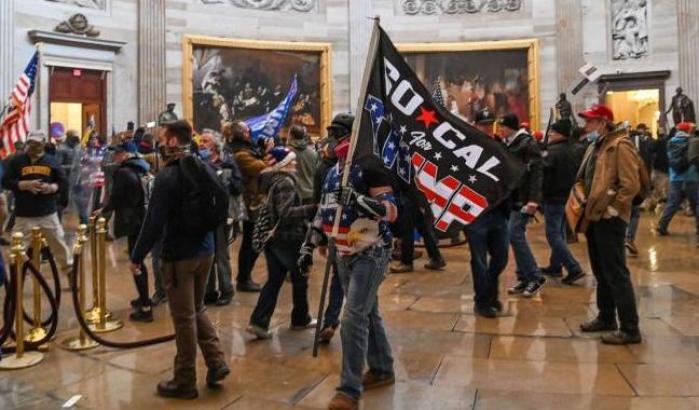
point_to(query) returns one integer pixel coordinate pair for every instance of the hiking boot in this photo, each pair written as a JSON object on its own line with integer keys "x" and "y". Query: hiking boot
{"x": 327, "y": 334}
{"x": 622, "y": 338}
{"x": 372, "y": 380}
{"x": 343, "y": 402}
{"x": 435, "y": 264}
{"x": 534, "y": 287}
{"x": 248, "y": 286}
{"x": 215, "y": 375}
{"x": 174, "y": 391}
{"x": 401, "y": 268}
{"x": 631, "y": 247}
{"x": 312, "y": 323}
{"x": 597, "y": 325}
{"x": 141, "y": 315}
{"x": 551, "y": 271}
{"x": 517, "y": 288}
{"x": 485, "y": 311}
{"x": 259, "y": 332}
{"x": 573, "y": 277}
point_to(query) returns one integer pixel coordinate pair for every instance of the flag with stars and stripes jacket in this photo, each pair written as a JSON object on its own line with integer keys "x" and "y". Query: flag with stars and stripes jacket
{"x": 357, "y": 231}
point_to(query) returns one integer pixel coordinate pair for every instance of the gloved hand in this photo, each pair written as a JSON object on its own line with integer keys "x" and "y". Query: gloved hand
{"x": 305, "y": 260}
{"x": 346, "y": 196}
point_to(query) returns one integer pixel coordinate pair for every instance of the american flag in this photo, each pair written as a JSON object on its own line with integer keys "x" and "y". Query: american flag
{"x": 437, "y": 93}
{"x": 15, "y": 123}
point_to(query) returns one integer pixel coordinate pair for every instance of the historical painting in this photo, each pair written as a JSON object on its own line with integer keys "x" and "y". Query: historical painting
{"x": 228, "y": 80}
{"x": 499, "y": 75}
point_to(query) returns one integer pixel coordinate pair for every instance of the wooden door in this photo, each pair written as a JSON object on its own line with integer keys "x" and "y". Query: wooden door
{"x": 87, "y": 87}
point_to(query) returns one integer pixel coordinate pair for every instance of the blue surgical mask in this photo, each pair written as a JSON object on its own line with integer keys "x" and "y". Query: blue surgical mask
{"x": 593, "y": 137}
{"x": 204, "y": 154}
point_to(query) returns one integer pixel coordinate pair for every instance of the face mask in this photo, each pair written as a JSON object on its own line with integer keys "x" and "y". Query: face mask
{"x": 204, "y": 154}
{"x": 35, "y": 151}
{"x": 342, "y": 149}
{"x": 593, "y": 137}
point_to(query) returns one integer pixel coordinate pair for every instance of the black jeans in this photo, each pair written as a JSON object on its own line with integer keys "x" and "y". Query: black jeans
{"x": 246, "y": 256}
{"x": 615, "y": 294}
{"x": 489, "y": 244}
{"x": 141, "y": 280}
{"x": 281, "y": 259}
{"x": 415, "y": 218}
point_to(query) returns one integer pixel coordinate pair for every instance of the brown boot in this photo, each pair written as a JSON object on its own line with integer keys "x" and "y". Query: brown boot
{"x": 343, "y": 402}
{"x": 372, "y": 380}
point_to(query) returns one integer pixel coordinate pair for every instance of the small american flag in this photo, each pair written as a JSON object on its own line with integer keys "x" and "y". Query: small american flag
{"x": 15, "y": 124}
{"x": 437, "y": 93}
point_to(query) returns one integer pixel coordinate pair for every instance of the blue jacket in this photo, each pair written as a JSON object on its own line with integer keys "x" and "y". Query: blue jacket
{"x": 692, "y": 173}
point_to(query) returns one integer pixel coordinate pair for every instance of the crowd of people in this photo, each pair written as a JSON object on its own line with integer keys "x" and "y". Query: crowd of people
{"x": 184, "y": 197}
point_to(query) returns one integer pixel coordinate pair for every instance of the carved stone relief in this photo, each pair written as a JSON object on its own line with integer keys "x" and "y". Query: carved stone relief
{"x": 304, "y": 6}
{"x": 88, "y": 4}
{"x": 629, "y": 29}
{"x": 77, "y": 24}
{"x": 429, "y": 7}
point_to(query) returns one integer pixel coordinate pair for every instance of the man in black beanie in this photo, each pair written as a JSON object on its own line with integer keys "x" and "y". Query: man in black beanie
{"x": 560, "y": 169}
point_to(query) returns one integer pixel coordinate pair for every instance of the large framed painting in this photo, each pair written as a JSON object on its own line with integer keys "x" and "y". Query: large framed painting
{"x": 500, "y": 75}
{"x": 230, "y": 79}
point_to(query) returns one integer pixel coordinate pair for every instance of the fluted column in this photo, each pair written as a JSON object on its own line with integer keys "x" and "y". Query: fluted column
{"x": 360, "y": 33}
{"x": 688, "y": 42}
{"x": 151, "y": 59}
{"x": 7, "y": 63}
{"x": 569, "y": 41}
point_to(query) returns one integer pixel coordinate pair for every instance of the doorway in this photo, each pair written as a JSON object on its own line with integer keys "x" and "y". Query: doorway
{"x": 77, "y": 99}
{"x": 636, "y": 107}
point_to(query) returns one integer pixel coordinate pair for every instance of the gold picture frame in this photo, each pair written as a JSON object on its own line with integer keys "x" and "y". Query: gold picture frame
{"x": 531, "y": 45}
{"x": 324, "y": 49}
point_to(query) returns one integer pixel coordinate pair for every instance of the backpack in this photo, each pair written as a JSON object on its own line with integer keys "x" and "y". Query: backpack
{"x": 204, "y": 197}
{"x": 264, "y": 227}
{"x": 678, "y": 155}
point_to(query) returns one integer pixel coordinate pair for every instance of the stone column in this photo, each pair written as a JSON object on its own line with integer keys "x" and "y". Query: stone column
{"x": 360, "y": 33}
{"x": 7, "y": 63}
{"x": 688, "y": 42}
{"x": 151, "y": 59}
{"x": 569, "y": 42}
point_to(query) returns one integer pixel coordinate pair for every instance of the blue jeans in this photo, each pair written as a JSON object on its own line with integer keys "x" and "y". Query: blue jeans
{"x": 488, "y": 242}
{"x": 362, "y": 332}
{"x": 527, "y": 269}
{"x": 633, "y": 223}
{"x": 331, "y": 318}
{"x": 679, "y": 191}
{"x": 556, "y": 237}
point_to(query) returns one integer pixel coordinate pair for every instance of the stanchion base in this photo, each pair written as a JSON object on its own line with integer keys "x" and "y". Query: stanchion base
{"x": 35, "y": 334}
{"x": 109, "y": 326}
{"x": 75, "y": 344}
{"x": 92, "y": 316}
{"x": 28, "y": 359}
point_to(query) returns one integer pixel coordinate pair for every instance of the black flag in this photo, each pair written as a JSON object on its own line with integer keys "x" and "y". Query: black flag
{"x": 458, "y": 170}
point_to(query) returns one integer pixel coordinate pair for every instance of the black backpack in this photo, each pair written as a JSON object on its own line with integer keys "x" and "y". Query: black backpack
{"x": 204, "y": 197}
{"x": 678, "y": 155}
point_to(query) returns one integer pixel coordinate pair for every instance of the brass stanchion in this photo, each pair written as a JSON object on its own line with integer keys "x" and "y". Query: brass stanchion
{"x": 21, "y": 359}
{"x": 37, "y": 332}
{"x": 92, "y": 315}
{"x": 104, "y": 324}
{"x": 80, "y": 342}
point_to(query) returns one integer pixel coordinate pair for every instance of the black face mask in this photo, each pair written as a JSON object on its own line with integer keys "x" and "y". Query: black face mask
{"x": 35, "y": 151}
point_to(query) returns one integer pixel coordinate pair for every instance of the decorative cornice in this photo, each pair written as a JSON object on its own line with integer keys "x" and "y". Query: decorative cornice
{"x": 49, "y": 37}
{"x": 304, "y": 6}
{"x": 433, "y": 7}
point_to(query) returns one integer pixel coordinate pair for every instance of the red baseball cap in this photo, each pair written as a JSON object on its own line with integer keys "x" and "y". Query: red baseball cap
{"x": 598, "y": 111}
{"x": 685, "y": 126}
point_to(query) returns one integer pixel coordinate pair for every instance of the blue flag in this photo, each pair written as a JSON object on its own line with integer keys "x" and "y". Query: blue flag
{"x": 268, "y": 125}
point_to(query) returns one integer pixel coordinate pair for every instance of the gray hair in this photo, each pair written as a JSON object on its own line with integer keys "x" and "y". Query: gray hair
{"x": 218, "y": 139}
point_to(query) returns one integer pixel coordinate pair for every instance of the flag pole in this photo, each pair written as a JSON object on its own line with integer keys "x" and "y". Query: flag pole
{"x": 371, "y": 57}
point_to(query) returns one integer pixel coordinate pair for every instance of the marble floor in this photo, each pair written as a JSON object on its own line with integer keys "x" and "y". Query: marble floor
{"x": 533, "y": 357}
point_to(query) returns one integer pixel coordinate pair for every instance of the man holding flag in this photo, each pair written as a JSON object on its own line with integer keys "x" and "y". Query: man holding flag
{"x": 453, "y": 168}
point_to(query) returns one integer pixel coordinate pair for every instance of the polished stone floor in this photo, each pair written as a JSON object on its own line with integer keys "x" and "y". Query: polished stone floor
{"x": 533, "y": 357}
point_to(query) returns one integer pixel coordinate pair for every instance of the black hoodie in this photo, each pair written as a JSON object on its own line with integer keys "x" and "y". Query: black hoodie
{"x": 29, "y": 205}
{"x": 127, "y": 197}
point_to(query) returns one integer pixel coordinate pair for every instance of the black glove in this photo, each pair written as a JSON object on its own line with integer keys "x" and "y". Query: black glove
{"x": 346, "y": 196}
{"x": 305, "y": 260}
{"x": 366, "y": 205}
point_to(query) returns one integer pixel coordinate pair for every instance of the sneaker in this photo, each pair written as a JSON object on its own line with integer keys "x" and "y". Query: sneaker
{"x": 372, "y": 380}
{"x": 401, "y": 268}
{"x": 631, "y": 247}
{"x": 497, "y": 305}
{"x": 517, "y": 288}
{"x": 573, "y": 277}
{"x": 171, "y": 390}
{"x": 141, "y": 315}
{"x": 158, "y": 298}
{"x": 597, "y": 325}
{"x": 435, "y": 264}
{"x": 215, "y": 375}
{"x": 224, "y": 299}
{"x": 485, "y": 311}
{"x": 326, "y": 335}
{"x": 622, "y": 338}
{"x": 248, "y": 286}
{"x": 534, "y": 287}
{"x": 259, "y": 332}
{"x": 551, "y": 271}
{"x": 343, "y": 402}
{"x": 310, "y": 325}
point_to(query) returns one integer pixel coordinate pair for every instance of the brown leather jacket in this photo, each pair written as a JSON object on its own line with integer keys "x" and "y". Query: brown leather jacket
{"x": 616, "y": 181}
